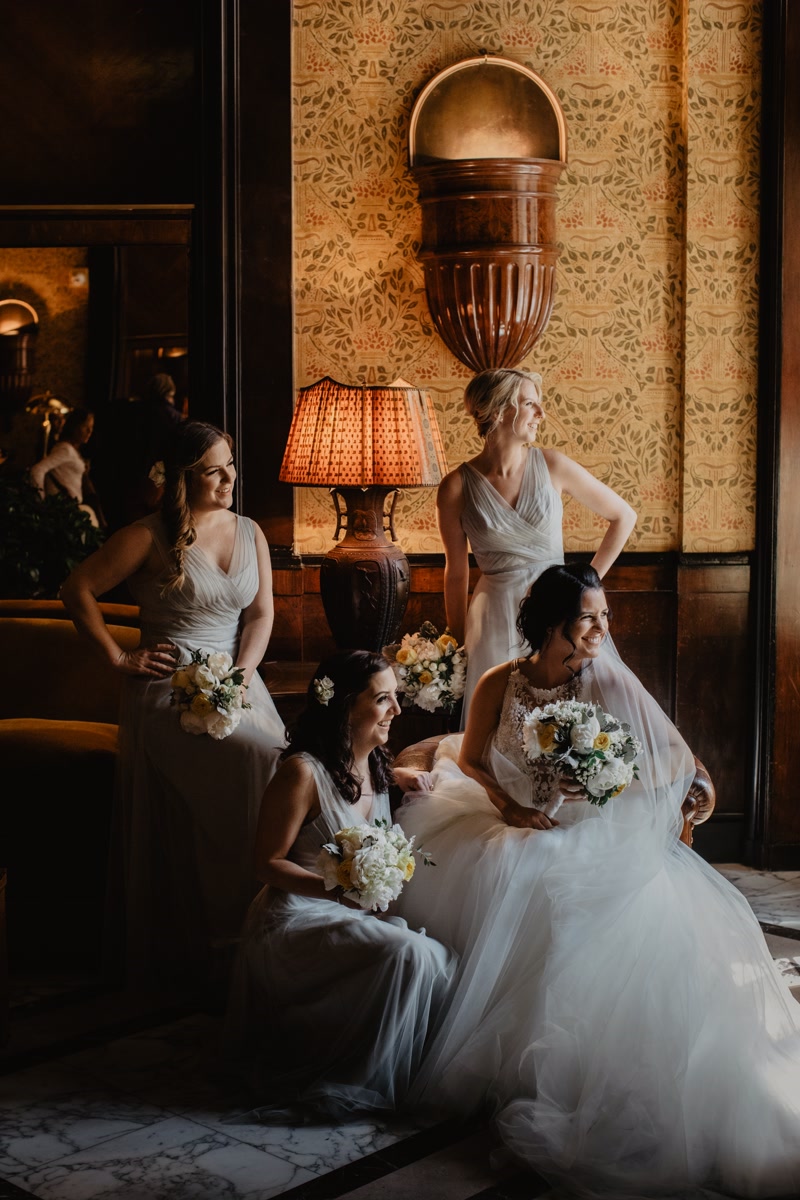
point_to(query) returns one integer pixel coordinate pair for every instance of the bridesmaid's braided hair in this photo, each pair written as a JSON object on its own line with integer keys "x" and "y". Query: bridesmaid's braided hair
{"x": 323, "y": 729}
{"x": 189, "y": 444}
{"x": 489, "y": 393}
{"x": 554, "y": 599}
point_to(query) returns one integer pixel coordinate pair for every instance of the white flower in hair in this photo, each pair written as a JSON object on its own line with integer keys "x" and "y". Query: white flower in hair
{"x": 157, "y": 474}
{"x": 323, "y": 689}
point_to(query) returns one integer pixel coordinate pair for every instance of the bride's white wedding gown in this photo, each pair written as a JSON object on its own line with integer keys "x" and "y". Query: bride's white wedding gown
{"x": 617, "y": 1007}
{"x": 512, "y": 546}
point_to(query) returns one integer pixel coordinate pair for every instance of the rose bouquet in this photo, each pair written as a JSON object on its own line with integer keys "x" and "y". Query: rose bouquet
{"x": 584, "y": 743}
{"x": 370, "y": 863}
{"x": 208, "y": 693}
{"x": 430, "y": 668}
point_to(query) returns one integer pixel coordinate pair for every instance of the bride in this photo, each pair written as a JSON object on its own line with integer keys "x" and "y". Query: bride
{"x": 617, "y": 1008}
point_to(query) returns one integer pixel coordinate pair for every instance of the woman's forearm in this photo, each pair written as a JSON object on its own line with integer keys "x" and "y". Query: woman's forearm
{"x": 87, "y": 617}
{"x": 288, "y": 876}
{"x": 456, "y": 589}
{"x": 610, "y": 548}
{"x": 253, "y": 644}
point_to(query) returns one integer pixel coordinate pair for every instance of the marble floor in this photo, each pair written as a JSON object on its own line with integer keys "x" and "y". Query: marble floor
{"x": 104, "y": 1097}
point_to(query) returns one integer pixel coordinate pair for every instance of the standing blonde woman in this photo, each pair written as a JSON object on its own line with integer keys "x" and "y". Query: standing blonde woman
{"x": 187, "y": 804}
{"x": 505, "y": 505}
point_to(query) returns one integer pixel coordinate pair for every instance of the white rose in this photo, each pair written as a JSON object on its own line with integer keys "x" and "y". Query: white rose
{"x": 204, "y": 678}
{"x": 220, "y": 663}
{"x": 613, "y": 774}
{"x": 220, "y": 725}
{"x": 429, "y": 697}
{"x": 192, "y": 723}
{"x": 327, "y": 865}
{"x": 582, "y": 736}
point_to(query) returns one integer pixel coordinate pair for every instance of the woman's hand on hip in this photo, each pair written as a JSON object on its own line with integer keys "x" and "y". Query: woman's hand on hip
{"x": 156, "y": 662}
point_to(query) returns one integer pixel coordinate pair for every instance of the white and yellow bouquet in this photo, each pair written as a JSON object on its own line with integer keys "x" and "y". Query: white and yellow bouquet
{"x": 208, "y": 693}
{"x": 370, "y": 863}
{"x": 430, "y": 668}
{"x": 585, "y": 743}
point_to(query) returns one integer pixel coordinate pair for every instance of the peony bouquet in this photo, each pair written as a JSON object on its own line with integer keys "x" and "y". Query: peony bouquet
{"x": 584, "y": 743}
{"x": 208, "y": 693}
{"x": 430, "y": 668}
{"x": 370, "y": 863}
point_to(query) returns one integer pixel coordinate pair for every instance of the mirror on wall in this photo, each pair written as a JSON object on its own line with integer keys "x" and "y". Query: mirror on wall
{"x": 109, "y": 316}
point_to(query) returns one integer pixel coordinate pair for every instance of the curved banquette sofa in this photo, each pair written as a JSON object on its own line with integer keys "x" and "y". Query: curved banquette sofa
{"x": 59, "y": 707}
{"x": 697, "y": 807}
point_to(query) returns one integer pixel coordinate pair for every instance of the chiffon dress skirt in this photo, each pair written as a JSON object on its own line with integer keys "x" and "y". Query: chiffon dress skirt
{"x": 512, "y": 546}
{"x": 617, "y": 1009}
{"x": 188, "y": 805}
{"x": 331, "y": 1006}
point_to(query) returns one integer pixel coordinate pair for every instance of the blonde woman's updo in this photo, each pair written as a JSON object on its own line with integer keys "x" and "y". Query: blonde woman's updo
{"x": 489, "y": 393}
{"x": 188, "y": 446}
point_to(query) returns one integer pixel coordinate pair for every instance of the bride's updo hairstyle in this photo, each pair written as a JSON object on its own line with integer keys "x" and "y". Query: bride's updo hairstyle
{"x": 555, "y": 599}
{"x": 189, "y": 444}
{"x": 323, "y": 727}
{"x": 489, "y": 393}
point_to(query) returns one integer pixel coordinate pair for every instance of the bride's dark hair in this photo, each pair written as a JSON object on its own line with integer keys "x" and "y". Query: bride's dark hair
{"x": 323, "y": 729}
{"x": 555, "y": 598}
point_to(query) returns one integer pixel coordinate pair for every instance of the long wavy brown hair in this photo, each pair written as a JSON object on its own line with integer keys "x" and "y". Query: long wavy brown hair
{"x": 188, "y": 446}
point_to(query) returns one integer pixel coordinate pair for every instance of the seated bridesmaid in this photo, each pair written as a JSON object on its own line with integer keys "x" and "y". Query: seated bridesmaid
{"x": 331, "y": 1004}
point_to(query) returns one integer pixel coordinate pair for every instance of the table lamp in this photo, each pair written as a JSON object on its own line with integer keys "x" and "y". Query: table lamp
{"x": 364, "y": 443}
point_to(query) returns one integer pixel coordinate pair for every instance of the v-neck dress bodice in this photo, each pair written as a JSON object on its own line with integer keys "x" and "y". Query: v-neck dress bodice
{"x": 512, "y": 545}
{"x": 189, "y": 804}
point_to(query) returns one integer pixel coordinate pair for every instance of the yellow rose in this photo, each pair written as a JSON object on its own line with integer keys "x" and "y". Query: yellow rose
{"x": 425, "y": 677}
{"x": 181, "y": 679}
{"x": 602, "y": 741}
{"x": 201, "y": 706}
{"x": 547, "y": 738}
{"x": 406, "y": 656}
{"x": 621, "y": 788}
{"x": 343, "y": 875}
{"x": 445, "y": 641}
{"x": 409, "y": 871}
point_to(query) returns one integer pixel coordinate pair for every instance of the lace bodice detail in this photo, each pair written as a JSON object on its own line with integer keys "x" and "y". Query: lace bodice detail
{"x": 522, "y": 697}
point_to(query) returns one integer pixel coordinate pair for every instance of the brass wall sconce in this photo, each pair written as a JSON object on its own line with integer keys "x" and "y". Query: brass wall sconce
{"x": 364, "y": 443}
{"x": 487, "y": 145}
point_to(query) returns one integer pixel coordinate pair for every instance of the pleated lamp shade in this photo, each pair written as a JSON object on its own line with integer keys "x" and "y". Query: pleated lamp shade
{"x": 364, "y": 443}
{"x": 345, "y": 435}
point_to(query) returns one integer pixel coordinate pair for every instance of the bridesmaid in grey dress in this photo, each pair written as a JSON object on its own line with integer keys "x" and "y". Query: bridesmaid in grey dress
{"x": 187, "y": 806}
{"x": 505, "y": 506}
{"x": 332, "y": 1005}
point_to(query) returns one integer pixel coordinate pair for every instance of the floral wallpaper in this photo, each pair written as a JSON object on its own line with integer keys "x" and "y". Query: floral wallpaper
{"x": 649, "y": 359}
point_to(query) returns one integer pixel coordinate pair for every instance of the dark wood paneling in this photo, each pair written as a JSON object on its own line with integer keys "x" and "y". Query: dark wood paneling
{"x": 774, "y": 834}
{"x": 97, "y": 101}
{"x": 713, "y": 693}
{"x": 264, "y": 203}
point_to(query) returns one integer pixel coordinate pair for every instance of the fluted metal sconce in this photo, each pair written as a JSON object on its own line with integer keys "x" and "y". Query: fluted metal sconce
{"x": 487, "y": 145}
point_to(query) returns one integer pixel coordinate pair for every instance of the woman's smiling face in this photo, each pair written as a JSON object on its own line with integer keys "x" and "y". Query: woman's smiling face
{"x": 586, "y": 633}
{"x": 213, "y": 478}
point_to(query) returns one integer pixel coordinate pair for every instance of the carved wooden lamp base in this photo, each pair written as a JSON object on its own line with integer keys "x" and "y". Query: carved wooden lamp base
{"x": 364, "y": 581}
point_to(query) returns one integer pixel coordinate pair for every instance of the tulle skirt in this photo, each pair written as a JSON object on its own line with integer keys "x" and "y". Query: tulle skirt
{"x": 332, "y": 1007}
{"x": 616, "y": 1009}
